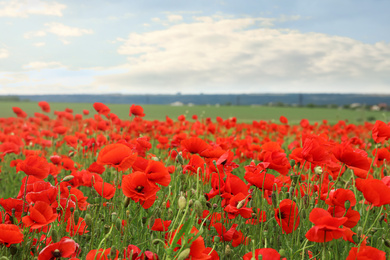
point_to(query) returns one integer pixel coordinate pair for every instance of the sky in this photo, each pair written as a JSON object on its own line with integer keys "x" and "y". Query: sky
{"x": 191, "y": 47}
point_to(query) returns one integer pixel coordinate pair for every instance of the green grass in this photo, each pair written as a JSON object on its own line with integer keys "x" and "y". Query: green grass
{"x": 242, "y": 113}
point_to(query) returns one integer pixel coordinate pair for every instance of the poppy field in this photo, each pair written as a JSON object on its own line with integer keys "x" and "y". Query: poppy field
{"x": 96, "y": 186}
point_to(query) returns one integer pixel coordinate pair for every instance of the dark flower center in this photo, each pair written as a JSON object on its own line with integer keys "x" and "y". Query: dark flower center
{"x": 56, "y": 253}
{"x": 139, "y": 188}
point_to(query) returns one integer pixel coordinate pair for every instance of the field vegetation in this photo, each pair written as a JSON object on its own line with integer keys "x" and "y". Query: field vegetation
{"x": 104, "y": 182}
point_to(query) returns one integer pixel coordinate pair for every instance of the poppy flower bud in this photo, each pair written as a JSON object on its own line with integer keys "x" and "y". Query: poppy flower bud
{"x": 282, "y": 252}
{"x": 144, "y": 219}
{"x": 184, "y": 254}
{"x": 88, "y": 219}
{"x": 118, "y": 224}
{"x": 347, "y": 204}
{"x": 198, "y": 208}
{"x": 68, "y": 178}
{"x": 274, "y": 201}
{"x": 208, "y": 204}
{"x": 182, "y": 202}
{"x": 355, "y": 239}
{"x": 154, "y": 158}
{"x": 190, "y": 202}
{"x": 228, "y": 251}
{"x": 54, "y": 236}
{"x": 180, "y": 159}
{"x": 385, "y": 173}
{"x": 215, "y": 205}
{"x": 113, "y": 217}
{"x": 4, "y": 258}
{"x": 241, "y": 203}
{"x": 306, "y": 200}
{"x": 359, "y": 231}
{"x": 126, "y": 202}
{"x": 76, "y": 215}
{"x": 318, "y": 170}
{"x": 216, "y": 239}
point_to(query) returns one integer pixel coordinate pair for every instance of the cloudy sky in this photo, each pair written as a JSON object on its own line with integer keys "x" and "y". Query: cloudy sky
{"x": 202, "y": 46}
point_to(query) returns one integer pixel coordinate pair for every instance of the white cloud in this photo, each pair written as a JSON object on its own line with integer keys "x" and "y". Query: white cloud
{"x": 174, "y": 18}
{"x": 38, "y": 65}
{"x": 4, "y": 53}
{"x": 66, "y": 31}
{"x": 39, "y": 44}
{"x": 24, "y": 8}
{"x": 32, "y": 34}
{"x": 219, "y": 53}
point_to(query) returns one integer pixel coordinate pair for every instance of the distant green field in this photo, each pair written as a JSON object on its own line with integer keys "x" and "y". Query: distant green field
{"x": 242, "y": 113}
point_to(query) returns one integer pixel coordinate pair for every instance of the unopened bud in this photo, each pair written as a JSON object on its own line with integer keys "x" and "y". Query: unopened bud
{"x": 54, "y": 236}
{"x": 88, "y": 219}
{"x": 126, "y": 202}
{"x": 184, "y": 254}
{"x": 274, "y": 200}
{"x": 76, "y": 215}
{"x": 387, "y": 243}
{"x": 68, "y": 178}
{"x": 282, "y": 252}
{"x": 198, "y": 208}
{"x": 347, "y": 204}
{"x": 359, "y": 231}
{"x": 241, "y": 203}
{"x": 228, "y": 251}
{"x": 154, "y": 158}
{"x": 180, "y": 158}
{"x": 118, "y": 224}
{"x": 113, "y": 217}
{"x": 216, "y": 239}
{"x": 318, "y": 170}
{"x": 182, "y": 202}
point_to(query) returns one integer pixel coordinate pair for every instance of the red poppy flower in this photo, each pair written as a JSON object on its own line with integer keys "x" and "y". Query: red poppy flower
{"x": 283, "y": 120}
{"x": 158, "y": 173}
{"x": 194, "y": 145}
{"x": 15, "y": 205}
{"x": 315, "y": 149}
{"x": 237, "y": 206}
{"x": 380, "y": 132}
{"x": 160, "y": 225}
{"x": 356, "y": 160}
{"x": 106, "y": 190}
{"x": 326, "y": 227}
{"x": 340, "y": 196}
{"x": 137, "y": 187}
{"x": 353, "y": 216}
{"x": 85, "y": 112}
{"x": 10, "y": 234}
{"x": 374, "y": 191}
{"x": 287, "y": 216}
{"x": 44, "y": 106}
{"x": 117, "y": 155}
{"x": 41, "y": 214}
{"x": 65, "y": 248}
{"x": 257, "y": 176}
{"x": 266, "y": 253}
{"x": 366, "y": 252}
{"x": 136, "y": 111}
{"x": 76, "y": 228}
{"x": 19, "y": 112}
{"x": 36, "y": 166}
{"x": 101, "y": 108}
{"x": 275, "y": 156}
{"x": 96, "y": 168}
{"x": 101, "y": 254}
